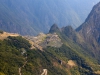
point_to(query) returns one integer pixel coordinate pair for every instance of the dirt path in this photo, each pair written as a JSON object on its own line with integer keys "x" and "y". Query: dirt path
{"x": 44, "y": 72}
{"x": 20, "y": 68}
{"x": 20, "y": 71}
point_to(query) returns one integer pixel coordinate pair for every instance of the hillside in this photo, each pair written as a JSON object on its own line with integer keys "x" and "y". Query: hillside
{"x": 34, "y": 16}
{"x": 66, "y": 59}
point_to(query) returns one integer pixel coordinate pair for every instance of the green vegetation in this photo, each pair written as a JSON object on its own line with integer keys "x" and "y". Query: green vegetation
{"x": 10, "y": 55}
{"x": 64, "y": 53}
{"x": 11, "y": 59}
{"x": 74, "y": 49}
{"x": 74, "y": 57}
{"x": 18, "y": 42}
{"x": 14, "y": 50}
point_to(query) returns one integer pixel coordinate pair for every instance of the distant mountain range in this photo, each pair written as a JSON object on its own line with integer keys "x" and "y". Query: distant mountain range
{"x": 29, "y": 17}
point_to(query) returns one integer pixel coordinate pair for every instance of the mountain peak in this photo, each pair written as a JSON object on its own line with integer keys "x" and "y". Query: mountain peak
{"x": 90, "y": 29}
{"x": 95, "y": 12}
{"x": 68, "y": 30}
{"x": 92, "y": 22}
{"x": 54, "y": 28}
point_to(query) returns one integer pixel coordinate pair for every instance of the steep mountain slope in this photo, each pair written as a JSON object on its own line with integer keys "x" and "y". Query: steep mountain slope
{"x": 34, "y": 16}
{"x": 90, "y": 31}
{"x": 91, "y": 26}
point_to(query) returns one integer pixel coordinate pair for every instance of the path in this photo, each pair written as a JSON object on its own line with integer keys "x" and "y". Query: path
{"x": 20, "y": 68}
{"x": 44, "y": 72}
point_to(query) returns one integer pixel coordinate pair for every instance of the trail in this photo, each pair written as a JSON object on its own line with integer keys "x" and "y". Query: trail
{"x": 20, "y": 68}
{"x": 44, "y": 72}
{"x": 20, "y": 71}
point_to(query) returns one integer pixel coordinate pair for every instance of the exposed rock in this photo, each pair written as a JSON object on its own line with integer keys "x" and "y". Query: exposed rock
{"x": 90, "y": 31}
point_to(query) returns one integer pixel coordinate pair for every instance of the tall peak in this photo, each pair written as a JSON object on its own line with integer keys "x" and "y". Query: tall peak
{"x": 95, "y": 12}
{"x": 54, "y": 28}
{"x": 93, "y": 20}
{"x": 90, "y": 29}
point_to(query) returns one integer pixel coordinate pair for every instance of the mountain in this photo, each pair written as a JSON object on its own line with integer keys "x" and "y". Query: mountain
{"x": 90, "y": 30}
{"x": 90, "y": 27}
{"x": 34, "y": 16}
{"x": 63, "y": 51}
{"x": 54, "y": 28}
